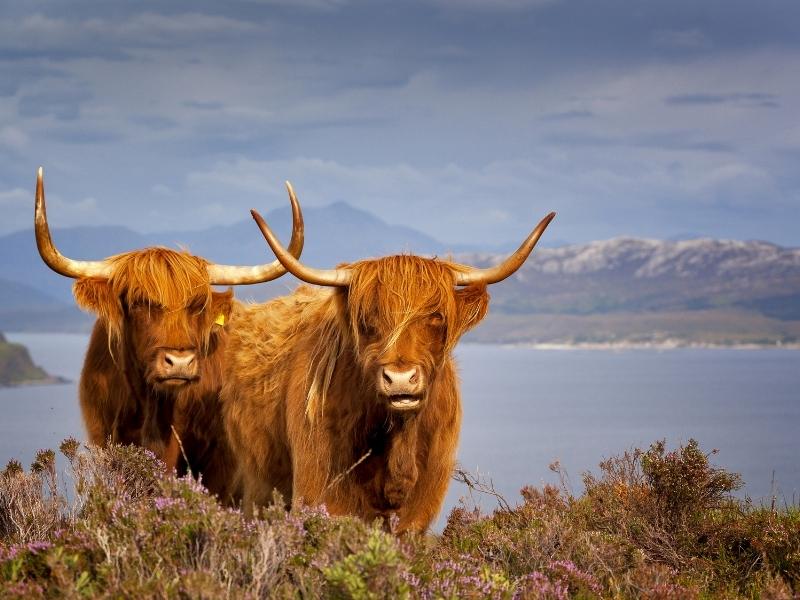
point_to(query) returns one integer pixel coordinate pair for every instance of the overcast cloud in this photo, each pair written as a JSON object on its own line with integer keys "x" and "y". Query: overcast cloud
{"x": 468, "y": 120}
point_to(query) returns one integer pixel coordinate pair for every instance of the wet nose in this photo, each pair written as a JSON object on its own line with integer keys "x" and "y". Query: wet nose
{"x": 179, "y": 359}
{"x": 400, "y": 379}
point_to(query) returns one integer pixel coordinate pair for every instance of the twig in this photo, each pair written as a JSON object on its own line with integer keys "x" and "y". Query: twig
{"x": 475, "y": 484}
{"x": 336, "y": 480}
{"x": 180, "y": 445}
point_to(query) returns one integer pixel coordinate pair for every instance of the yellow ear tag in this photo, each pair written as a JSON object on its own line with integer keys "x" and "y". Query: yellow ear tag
{"x": 220, "y": 320}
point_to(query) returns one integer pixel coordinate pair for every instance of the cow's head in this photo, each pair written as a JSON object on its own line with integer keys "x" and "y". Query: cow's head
{"x": 162, "y": 316}
{"x": 404, "y": 314}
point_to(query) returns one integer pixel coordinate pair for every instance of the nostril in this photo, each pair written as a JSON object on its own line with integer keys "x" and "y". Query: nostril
{"x": 414, "y": 376}
{"x": 386, "y": 377}
{"x": 168, "y": 360}
{"x": 190, "y": 359}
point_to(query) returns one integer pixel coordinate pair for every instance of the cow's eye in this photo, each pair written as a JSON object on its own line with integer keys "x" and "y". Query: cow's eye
{"x": 367, "y": 330}
{"x": 436, "y": 319}
{"x": 196, "y": 307}
{"x": 145, "y": 306}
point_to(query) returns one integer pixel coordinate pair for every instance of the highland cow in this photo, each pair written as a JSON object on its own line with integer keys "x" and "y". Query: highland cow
{"x": 348, "y": 396}
{"x": 154, "y": 362}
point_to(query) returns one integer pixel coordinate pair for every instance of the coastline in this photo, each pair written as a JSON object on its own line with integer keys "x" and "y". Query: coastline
{"x": 623, "y": 346}
{"x": 49, "y": 380}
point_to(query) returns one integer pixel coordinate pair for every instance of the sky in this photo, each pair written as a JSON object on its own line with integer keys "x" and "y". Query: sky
{"x": 466, "y": 119}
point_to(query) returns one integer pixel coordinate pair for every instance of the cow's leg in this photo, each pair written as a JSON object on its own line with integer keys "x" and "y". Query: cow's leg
{"x": 255, "y": 494}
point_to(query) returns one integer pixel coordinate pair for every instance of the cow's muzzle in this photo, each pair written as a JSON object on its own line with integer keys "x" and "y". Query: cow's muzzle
{"x": 403, "y": 389}
{"x": 176, "y": 367}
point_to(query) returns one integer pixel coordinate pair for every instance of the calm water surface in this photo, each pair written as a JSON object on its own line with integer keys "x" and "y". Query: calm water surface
{"x": 525, "y": 408}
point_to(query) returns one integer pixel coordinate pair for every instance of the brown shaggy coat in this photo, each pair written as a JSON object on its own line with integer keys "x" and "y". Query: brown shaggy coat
{"x": 302, "y": 402}
{"x": 157, "y": 298}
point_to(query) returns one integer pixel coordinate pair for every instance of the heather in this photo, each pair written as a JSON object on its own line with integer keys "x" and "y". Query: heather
{"x": 651, "y": 523}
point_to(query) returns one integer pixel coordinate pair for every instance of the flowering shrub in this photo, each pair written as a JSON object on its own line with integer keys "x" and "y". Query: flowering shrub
{"x": 654, "y": 524}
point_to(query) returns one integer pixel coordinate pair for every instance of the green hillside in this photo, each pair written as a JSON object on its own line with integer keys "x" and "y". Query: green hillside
{"x": 16, "y": 366}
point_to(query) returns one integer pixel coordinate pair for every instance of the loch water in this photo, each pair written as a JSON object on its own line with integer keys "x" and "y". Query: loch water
{"x": 525, "y": 408}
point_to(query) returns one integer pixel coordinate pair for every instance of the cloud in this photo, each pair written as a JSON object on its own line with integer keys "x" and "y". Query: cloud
{"x": 677, "y": 141}
{"x": 750, "y": 99}
{"x": 62, "y": 38}
{"x": 64, "y": 105}
{"x": 326, "y": 5}
{"x": 14, "y": 197}
{"x": 17, "y": 204}
{"x": 448, "y": 108}
{"x": 81, "y": 136}
{"x": 155, "y": 122}
{"x": 14, "y": 137}
{"x": 16, "y": 74}
{"x": 568, "y": 115}
{"x": 493, "y": 5}
{"x": 198, "y": 105}
{"x": 681, "y": 38}
{"x": 499, "y": 201}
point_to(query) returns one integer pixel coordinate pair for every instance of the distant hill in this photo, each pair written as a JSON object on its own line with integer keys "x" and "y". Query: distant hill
{"x": 746, "y": 288}
{"x": 698, "y": 291}
{"x": 335, "y": 233}
{"x": 16, "y": 366}
{"x": 639, "y": 275}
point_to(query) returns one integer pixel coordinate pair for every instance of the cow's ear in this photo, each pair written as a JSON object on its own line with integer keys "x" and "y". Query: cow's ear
{"x": 473, "y": 304}
{"x": 95, "y": 295}
{"x": 221, "y": 306}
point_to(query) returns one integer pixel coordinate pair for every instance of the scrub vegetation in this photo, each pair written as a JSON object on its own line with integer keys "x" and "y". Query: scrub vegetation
{"x": 652, "y": 523}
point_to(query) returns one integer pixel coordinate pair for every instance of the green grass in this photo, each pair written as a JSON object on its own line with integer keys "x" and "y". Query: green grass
{"x": 654, "y": 523}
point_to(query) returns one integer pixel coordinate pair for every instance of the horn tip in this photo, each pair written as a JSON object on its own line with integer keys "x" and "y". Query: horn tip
{"x": 40, "y": 172}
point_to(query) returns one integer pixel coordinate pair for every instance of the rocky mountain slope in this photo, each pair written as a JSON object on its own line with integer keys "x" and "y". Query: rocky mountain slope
{"x": 639, "y": 275}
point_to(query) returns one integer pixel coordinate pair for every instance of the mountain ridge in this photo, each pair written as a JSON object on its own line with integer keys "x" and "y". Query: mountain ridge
{"x": 622, "y": 275}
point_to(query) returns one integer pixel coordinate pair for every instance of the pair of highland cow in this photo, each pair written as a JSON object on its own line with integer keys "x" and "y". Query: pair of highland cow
{"x": 344, "y": 395}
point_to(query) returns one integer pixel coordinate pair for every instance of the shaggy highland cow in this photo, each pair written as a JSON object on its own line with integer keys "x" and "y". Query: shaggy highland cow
{"x": 349, "y": 396}
{"x": 154, "y": 360}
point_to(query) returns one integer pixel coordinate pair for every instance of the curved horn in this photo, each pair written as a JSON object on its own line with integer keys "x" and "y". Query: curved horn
{"x": 235, "y": 275}
{"x": 332, "y": 277}
{"x": 509, "y": 265}
{"x": 48, "y": 251}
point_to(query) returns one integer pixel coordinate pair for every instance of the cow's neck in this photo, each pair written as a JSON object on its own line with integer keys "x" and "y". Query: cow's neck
{"x": 151, "y": 404}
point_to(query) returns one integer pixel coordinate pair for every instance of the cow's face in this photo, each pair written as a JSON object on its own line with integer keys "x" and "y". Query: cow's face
{"x": 170, "y": 344}
{"x": 406, "y": 315}
{"x": 162, "y": 316}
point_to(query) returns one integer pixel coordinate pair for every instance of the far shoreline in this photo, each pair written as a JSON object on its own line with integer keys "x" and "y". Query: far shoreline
{"x": 623, "y": 346}
{"x": 615, "y": 346}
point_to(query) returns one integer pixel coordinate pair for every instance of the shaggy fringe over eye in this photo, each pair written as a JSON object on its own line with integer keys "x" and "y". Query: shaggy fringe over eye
{"x": 387, "y": 294}
{"x": 168, "y": 278}
{"x": 396, "y": 290}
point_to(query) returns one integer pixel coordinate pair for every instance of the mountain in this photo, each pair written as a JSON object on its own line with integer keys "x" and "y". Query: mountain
{"x": 624, "y": 290}
{"x": 636, "y": 275}
{"x": 629, "y": 288}
{"x": 334, "y": 234}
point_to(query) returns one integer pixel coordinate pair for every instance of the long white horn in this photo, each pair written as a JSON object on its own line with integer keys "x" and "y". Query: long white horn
{"x": 236, "y": 275}
{"x": 509, "y": 265}
{"x": 48, "y": 251}
{"x": 330, "y": 277}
